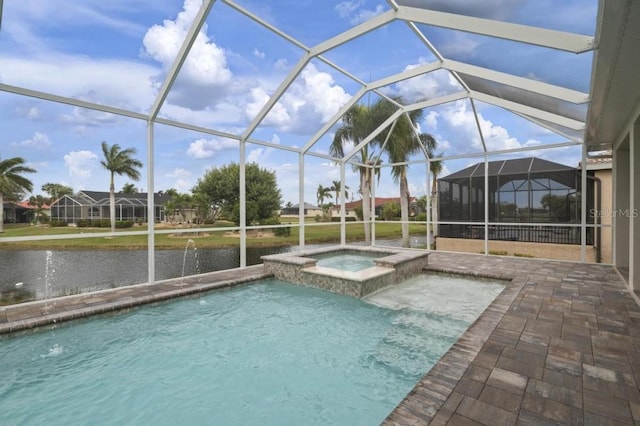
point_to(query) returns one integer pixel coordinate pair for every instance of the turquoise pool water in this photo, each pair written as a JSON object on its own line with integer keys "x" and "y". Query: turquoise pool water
{"x": 269, "y": 353}
{"x": 346, "y": 261}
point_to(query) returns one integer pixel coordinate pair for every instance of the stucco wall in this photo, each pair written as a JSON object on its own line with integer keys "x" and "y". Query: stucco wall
{"x": 540, "y": 250}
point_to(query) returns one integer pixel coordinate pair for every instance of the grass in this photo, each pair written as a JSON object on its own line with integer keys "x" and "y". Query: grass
{"x": 214, "y": 238}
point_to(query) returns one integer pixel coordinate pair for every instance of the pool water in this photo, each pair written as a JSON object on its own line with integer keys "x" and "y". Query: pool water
{"x": 269, "y": 353}
{"x": 352, "y": 262}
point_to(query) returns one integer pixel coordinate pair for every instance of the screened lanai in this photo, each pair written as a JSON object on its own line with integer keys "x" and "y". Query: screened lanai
{"x": 523, "y": 190}
{"x": 197, "y": 85}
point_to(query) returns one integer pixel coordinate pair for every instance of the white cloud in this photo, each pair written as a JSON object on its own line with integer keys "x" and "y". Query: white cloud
{"x": 204, "y": 75}
{"x": 89, "y": 118}
{"x": 278, "y": 116}
{"x": 31, "y": 113}
{"x": 255, "y": 155}
{"x": 183, "y": 182}
{"x": 80, "y": 163}
{"x": 38, "y": 141}
{"x": 431, "y": 120}
{"x": 353, "y": 11}
{"x": 180, "y": 173}
{"x": 207, "y": 148}
{"x": 281, "y": 65}
{"x": 310, "y": 101}
{"x": 427, "y": 86}
{"x": 258, "y": 54}
{"x": 110, "y": 82}
{"x": 459, "y": 46}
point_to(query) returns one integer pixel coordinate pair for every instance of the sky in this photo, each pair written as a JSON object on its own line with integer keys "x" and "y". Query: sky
{"x": 118, "y": 53}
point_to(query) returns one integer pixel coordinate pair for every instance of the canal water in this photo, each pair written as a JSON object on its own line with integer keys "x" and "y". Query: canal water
{"x": 39, "y": 274}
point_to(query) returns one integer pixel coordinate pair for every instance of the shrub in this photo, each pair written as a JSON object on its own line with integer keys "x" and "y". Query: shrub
{"x": 347, "y": 219}
{"x": 282, "y": 232}
{"x": 522, "y": 255}
{"x": 420, "y": 217}
{"x": 122, "y": 224}
{"x": 57, "y": 223}
{"x": 390, "y": 210}
{"x": 278, "y": 232}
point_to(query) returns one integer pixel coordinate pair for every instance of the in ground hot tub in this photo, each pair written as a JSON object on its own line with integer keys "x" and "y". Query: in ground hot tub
{"x": 354, "y": 271}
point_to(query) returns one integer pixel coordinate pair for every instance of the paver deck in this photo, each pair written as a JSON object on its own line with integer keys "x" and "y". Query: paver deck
{"x": 560, "y": 345}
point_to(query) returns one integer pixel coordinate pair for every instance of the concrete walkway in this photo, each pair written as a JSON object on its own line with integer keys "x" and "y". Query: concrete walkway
{"x": 560, "y": 345}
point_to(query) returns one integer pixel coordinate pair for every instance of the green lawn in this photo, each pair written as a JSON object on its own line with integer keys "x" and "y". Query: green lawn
{"x": 214, "y": 236}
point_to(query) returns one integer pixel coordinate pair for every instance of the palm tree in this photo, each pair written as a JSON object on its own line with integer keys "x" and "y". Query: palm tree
{"x": 400, "y": 145}
{"x": 435, "y": 167}
{"x": 12, "y": 183}
{"x": 56, "y": 191}
{"x": 38, "y": 201}
{"x": 336, "y": 188}
{"x": 357, "y": 125}
{"x": 322, "y": 193}
{"x": 118, "y": 162}
{"x": 129, "y": 188}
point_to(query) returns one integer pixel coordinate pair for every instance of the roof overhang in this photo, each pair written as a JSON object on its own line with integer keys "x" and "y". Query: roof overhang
{"x": 615, "y": 88}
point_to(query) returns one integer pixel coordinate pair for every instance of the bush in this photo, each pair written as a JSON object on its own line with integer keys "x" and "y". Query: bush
{"x": 57, "y": 223}
{"x": 390, "y": 210}
{"x": 278, "y": 232}
{"x": 420, "y": 217}
{"x": 347, "y": 219}
{"x": 103, "y": 223}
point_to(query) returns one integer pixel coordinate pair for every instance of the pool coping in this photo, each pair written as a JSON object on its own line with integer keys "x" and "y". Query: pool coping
{"x": 41, "y": 313}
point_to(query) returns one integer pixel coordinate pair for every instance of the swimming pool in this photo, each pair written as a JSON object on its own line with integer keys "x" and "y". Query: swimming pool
{"x": 268, "y": 353}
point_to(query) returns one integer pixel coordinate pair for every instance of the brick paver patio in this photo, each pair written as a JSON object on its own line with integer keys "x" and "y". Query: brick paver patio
{"x": 560, "y": 345}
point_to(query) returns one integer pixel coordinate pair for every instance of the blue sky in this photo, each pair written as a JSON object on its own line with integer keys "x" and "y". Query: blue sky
{"x": 118, "y": 52}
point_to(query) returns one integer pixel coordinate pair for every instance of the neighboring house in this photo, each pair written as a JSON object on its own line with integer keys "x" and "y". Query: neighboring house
{"x": 22, "y": 212}
{"x": 94, "y": 205}
{"x": 309, "y": 210}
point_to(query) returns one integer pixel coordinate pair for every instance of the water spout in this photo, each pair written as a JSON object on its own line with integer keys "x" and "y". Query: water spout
{"x": 49, "y": 272}
{"x": 196, "y": 262}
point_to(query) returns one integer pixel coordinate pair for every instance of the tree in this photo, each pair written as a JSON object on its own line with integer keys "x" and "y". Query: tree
{"x": 12, "y": 183}
{"x": 336, "y": 188}
{"x": 322, "y": 193}
{"x": 118, "y": 162}
{"x": 357, "y": 124}
{"x": 129, "y": 188}
{"x": 400, "y": 141}
{"x": 202, "y": 205}
{"x": 222, "y": 186}
{"x": 182, "y": 203}
{"x": 56, "y": 191}
{"x": 390, "y": 210}
{"x": 435, "y": 168}
{"x": 38, "y": 201}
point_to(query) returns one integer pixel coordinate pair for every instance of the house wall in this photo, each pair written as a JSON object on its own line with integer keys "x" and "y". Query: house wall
{"x": 540, "y": 250}
{"x": 606, "y": 208}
